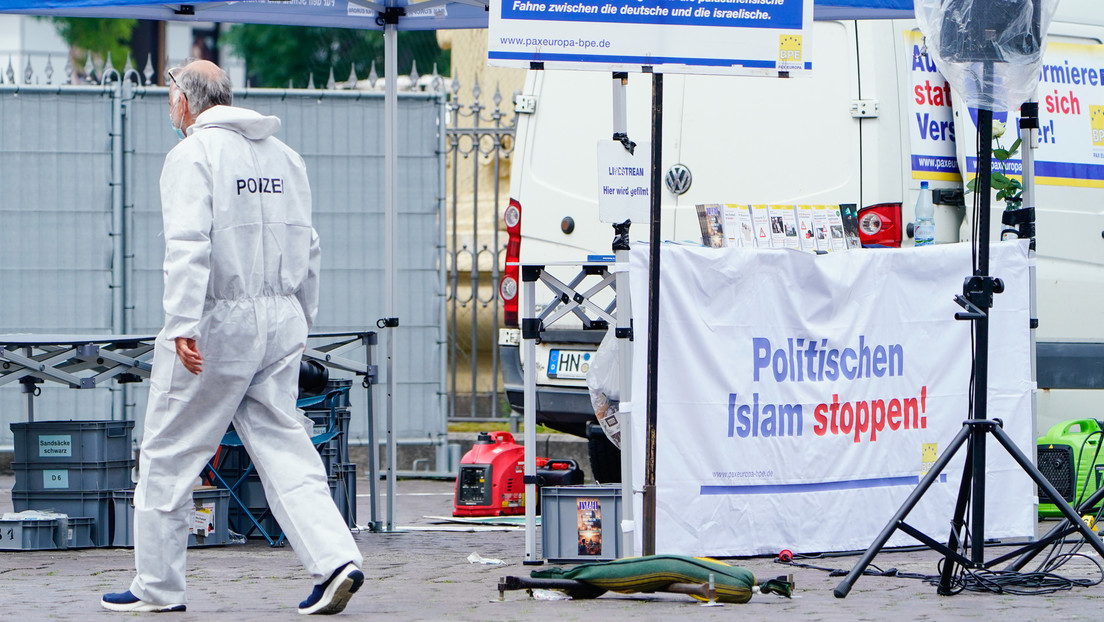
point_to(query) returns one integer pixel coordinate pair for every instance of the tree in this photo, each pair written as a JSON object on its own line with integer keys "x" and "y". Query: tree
{"x": 278, "y": 55}
{"x": 97, "y": 35}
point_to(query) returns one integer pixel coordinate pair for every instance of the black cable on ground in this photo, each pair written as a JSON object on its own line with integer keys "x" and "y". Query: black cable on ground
{"x": 1015, "y": 583}
{"x": 1039, "y": 582}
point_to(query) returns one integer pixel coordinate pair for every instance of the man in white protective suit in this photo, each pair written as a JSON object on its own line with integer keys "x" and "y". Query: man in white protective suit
{"x": 241, "y": 292}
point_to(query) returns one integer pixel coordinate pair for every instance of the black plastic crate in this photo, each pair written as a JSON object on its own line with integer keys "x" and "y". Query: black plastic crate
{"x": 78, "y": 532}
{"x": 331, "y": 455}
{"x": 251, "y": 491}
{"x": 342, "y": 483}
{"x": 351, "y": 494}
{"x": 321, "y": 420}
{"x": 341, "y": 400}
{"x": 240, "y": 523}
{"x": 73, "y": 476}
{"x": 343, "y": 490}
{"x": 572, "y": 521}
{"x": 214, "y": 500}
{"x": 72, "y": 441}
{"x": 29, "y": 534}
{"x": 96, "y": 505}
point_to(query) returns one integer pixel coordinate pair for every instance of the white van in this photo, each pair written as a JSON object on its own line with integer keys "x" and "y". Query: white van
{"x": 856, "y": 131}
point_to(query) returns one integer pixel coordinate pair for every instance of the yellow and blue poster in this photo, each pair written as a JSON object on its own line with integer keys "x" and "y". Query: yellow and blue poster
{"x": 1070, "y": 138}
{"x": 931, "y": 117}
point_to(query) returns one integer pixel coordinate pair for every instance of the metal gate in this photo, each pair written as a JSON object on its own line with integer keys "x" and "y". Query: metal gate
{"x": 480, "y": 140}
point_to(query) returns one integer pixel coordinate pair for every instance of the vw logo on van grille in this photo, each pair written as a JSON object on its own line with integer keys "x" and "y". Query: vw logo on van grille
{"x": 678, "y": 179}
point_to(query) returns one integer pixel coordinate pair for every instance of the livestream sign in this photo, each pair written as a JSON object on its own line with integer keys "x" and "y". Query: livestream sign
{"x": 801, "y": 398}
{"x": 740, "y": 37}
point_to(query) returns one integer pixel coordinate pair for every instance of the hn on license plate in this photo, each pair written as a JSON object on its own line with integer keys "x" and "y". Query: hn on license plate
{"x": 568, "y": 363}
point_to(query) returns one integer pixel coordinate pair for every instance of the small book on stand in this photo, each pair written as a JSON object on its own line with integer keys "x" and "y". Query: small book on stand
{"x": 747, "y": 228}
{"x": 732, "y": 232}
{"x": 820, "y": 228}
{"x": 777, "y": 227}
{"x": 850, "y": 215}
{"x": 805, "y": 229}
{"x": 783, "y": 226}
{"x": 835, "y": 229}
{"x": 712, "y": 227}
{"x": 760, "y": 221}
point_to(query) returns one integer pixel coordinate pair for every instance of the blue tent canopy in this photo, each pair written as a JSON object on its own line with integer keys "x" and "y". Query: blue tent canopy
{"x": 364, "y": 14}
{"x": 862, "y": 9}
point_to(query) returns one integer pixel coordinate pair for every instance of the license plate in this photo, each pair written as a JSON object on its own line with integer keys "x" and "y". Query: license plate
{"x": 569, "y": 363}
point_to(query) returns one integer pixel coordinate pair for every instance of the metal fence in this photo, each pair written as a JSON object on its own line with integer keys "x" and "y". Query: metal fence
{"x": 480, "y": 141}
{"x": 80, "y": 243}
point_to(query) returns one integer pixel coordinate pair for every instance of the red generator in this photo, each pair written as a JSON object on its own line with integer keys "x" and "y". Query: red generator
{"x": 492, "y": 476}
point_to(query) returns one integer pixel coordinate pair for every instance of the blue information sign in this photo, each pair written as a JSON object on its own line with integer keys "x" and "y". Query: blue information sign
{"x": 751, "y": 37}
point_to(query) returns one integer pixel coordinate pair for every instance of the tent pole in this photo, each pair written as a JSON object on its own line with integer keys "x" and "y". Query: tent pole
{"x": 648, "y": 512}
{"x": 391, "y": 146}
{"x": 119, "y": 284}
{"x": 624, "y": 335}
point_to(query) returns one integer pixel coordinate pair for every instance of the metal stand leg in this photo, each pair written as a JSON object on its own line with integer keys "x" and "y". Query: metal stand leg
{"x": 624, "y": 353}
{"x": 895, "y": 523}
{"x": 529, "y": 283}
{"x": 1062, "y": 529}
{"x": 374, "y": 524}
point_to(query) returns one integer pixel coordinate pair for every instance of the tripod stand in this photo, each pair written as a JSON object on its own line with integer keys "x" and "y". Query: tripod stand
{"x": 976, "y": 299}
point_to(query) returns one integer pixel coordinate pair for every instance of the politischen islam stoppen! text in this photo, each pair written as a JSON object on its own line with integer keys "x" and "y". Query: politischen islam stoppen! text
{"x": 812, "y": 360}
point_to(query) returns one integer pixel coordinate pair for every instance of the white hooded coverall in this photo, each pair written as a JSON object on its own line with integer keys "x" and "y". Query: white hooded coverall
{"x": 241, "y": 277}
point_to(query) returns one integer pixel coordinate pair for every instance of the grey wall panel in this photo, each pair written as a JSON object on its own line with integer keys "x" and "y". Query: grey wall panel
{"x": 55, "y": 212}
{"x": 421, "y": 414}
{"x": 55, "y": 216}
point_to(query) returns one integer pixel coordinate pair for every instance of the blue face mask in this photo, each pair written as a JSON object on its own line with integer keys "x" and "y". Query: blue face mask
{"x": 180, "y": 135}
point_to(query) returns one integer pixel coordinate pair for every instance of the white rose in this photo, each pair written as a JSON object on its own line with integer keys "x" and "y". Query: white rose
{"x": 998, "y": 129}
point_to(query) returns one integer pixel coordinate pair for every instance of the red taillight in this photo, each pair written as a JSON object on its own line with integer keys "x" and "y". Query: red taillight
{"x": 508, "y": 287}
{"x": 880, "y": 225}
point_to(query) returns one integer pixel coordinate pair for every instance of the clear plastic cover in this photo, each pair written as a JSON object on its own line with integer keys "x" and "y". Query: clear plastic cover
{"x": 603, "y": 380}
{"x": 989, "y": 50}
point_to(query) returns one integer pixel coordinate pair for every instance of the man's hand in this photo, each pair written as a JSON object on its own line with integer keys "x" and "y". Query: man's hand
{"x": 188, "y": 352}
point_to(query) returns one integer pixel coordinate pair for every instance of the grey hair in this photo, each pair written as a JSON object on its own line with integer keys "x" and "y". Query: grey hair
{"x": 203, "y": 92}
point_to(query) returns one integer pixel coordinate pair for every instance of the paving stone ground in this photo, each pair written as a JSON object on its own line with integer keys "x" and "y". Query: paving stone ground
{"x": 418, "y": 574}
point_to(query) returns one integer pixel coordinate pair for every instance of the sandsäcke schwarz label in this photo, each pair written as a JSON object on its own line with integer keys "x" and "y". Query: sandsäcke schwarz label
{"x": 55, "y": 446}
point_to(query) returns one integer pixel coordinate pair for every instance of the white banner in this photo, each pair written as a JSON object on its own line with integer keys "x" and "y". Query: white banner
{"x": 801, "y": 398}
{"x": 747, "y": 37}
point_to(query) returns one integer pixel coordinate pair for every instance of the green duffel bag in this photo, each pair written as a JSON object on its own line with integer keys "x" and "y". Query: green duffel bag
{"x": 654, "y": 573}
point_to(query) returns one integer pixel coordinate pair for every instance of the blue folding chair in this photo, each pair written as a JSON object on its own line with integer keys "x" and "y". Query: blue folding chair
{"x": 242, "y": 473}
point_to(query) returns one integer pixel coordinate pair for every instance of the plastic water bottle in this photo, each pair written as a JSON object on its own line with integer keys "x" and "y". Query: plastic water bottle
{"x": 925, "y": 217}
